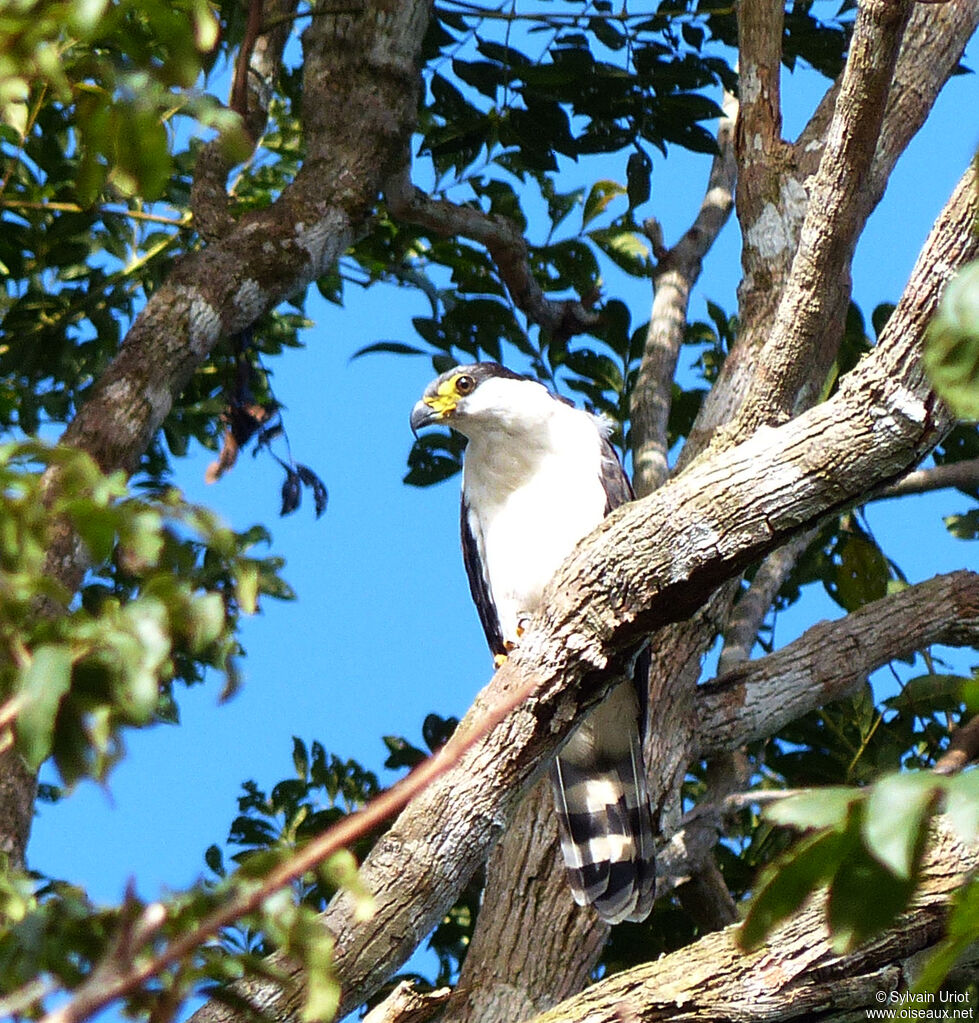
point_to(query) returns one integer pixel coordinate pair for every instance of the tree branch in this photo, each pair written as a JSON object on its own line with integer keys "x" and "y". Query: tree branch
{"x": 798, "y": 337}
{"x": 256, "y": 67}
{"x": 832, "y": 659}
{"x": 962, "y": 475}
{"x": 675, "y": 276}
{"x": 963, "y": 748}
{"x": 510, "y": 969}
{"x": 748, "y": 614}
{"x": 505, "y": 244}
{"x": 532, "y": 945}
{"x": 405, "y": 1004}
{"x": 123, "y": 970}
{"x": 771, "y": 221}
{"x": 794, "y": 976}
{"x": 648, "y": 564}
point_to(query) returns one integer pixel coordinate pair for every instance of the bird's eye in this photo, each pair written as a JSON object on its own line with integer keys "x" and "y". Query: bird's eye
{"x": 465, "y": 384}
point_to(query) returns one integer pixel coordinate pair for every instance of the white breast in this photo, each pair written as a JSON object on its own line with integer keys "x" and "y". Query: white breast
{"x": 532, "y": 497}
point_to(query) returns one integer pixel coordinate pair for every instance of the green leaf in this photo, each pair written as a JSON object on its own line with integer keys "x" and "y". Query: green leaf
{"x": 341, "y": 871}
{"x": 322, "y": 986}
{"x": 639, "y": 169}
{"x": 389, "y": 347}
{"x": 924, "y": 693}
{"x": 300, "y": 758}
{"x": 625, "y": 248}
{"x": 951, "y": 348}
{"x": 818, "y": 808}
{"x": 808, "y": 865}
{"x": 45, "y": 683}
{"x": 864, "y": 897}
{"x": 862, "y": 574}
{"x": 962, "y": 804}
{"x": 964, "y": 527}
{"x": 962, "y": 930}
{"x": 894, "y": 822}
{"x": 246, "y": 589}
{"x": 599, "y": 196}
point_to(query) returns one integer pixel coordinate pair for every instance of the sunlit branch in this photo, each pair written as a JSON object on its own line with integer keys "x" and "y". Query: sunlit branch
{"x": 674, "y": 278}
{"x": 758, "y": 698}
{"x": 112, "y": 980}
{"x": 504, "y": 242}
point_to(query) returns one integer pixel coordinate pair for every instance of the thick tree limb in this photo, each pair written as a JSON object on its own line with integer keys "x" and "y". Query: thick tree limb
{"x": 832, "y": 659}
{"x": 704, "y": 892}
{"x": 932, "y": 48}
{"x": 532, "y": 946}
{"x": 511, "y": 970}
{"x": 759, "y": 145}
{"x": 795, "y": 976}
{"x": 504, "y": 242}
{"x": 832, "y": 224}
{"x": 648, "y": 564}
{"x": 271, "y": 254}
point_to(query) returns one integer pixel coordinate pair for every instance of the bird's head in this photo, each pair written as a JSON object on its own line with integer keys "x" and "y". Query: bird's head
{"x": 465, "y": 396}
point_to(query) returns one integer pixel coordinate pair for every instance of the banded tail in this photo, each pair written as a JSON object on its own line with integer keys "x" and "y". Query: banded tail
{"x": 603, "y": 808}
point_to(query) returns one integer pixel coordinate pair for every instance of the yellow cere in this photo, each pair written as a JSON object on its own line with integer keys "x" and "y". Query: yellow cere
{"x": 446, "y": 398}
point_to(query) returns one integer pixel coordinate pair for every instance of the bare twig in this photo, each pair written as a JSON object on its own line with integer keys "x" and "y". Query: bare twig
{"x": 964, "y": 475}
{"x": 123, "y": 972}
{"x": 673, "y": 281}
{"x": 962, "y": 750}
{"x": 505, "y": 243}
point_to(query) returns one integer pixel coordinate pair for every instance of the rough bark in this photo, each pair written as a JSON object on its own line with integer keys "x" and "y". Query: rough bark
{"x": 506, "y": 970}
{"x": 832, "y": 659}
{"x": 650, "y": 563}
{"x": 773, "y": 179}
{"x": 677, "y": 272}
{"x": 796, "y": 975}
{"x": 527, "y": 922}
{"x": 361, "y": 89}
{"x": 654, "y": 563}
{"x": 803, "y": 336}
{"x": 673, "y": 686}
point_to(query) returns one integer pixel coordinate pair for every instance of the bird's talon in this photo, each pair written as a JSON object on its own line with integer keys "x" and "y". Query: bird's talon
{"x": 499, "y": 660}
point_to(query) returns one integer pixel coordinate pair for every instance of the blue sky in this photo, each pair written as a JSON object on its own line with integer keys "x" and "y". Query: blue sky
{"x": 383, "y": 631}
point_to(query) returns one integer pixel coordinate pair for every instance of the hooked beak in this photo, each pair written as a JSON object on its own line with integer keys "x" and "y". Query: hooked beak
{"x": 423, "y": 415}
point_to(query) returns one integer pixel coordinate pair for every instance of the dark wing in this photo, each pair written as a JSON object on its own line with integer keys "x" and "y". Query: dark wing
{"x": 618, "y": 490}
{"x": 600, "y": 783}
{"x": 616, "y": 484}
{"x": 479, "y": 585}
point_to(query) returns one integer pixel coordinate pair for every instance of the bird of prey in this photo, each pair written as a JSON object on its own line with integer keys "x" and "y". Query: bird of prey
{"x": 539, "y": 475}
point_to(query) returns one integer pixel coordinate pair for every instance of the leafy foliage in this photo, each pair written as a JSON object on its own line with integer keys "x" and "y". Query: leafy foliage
{"x": 866, "y": 839}
{"x": 952, "y": 344}
{"x": 160, "y": 603}
{"x": 92, "y": 225}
